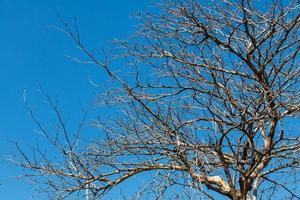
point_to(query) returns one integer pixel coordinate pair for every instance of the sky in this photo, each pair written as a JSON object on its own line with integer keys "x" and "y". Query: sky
{"x": 33, "y": 54}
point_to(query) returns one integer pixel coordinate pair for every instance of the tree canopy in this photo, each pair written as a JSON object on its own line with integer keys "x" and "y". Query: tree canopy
{"x": 206, "y": 90}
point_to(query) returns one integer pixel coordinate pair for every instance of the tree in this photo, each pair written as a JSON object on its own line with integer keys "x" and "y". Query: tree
{"x": 207, "y": 90}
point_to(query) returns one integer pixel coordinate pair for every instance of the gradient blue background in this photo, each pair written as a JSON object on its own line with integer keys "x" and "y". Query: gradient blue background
{"x": 31, "y": 53}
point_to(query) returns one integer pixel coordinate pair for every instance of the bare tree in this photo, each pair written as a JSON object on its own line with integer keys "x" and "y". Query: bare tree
{"x": 206, "y": 92}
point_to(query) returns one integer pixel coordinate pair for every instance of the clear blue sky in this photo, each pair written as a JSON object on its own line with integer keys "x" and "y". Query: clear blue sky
{"x": 31, "y": 53}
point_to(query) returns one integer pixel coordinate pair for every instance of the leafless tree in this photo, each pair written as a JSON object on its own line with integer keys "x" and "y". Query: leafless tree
{"x": 203, "y": 95}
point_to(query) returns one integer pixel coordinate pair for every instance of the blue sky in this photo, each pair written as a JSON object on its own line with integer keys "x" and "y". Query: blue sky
{"x": 31, "y": 53}
{"x": 34, "y": 54}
